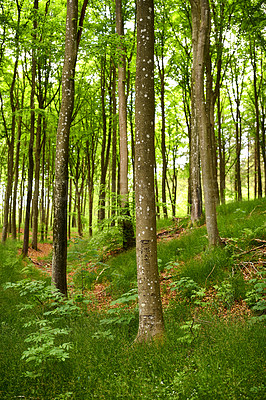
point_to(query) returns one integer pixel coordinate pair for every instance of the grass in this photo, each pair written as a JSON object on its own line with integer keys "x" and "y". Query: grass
{"x": 204, "y": 355}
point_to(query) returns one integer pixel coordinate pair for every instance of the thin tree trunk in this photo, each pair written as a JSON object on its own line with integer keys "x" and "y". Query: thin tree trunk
{"x": 14, "y": 207}
{"x": 221, "y": 149}
{"x": 69, "y": 208}
{"x": 105, "y": 148}
{"x": 43, "y": 183}
{"x": 256, "y": 100}
{"x": 31, "y": 141}
{"x": 195, "y": 177}
{"x": 114, "y": 151}
{"x": 35, "y": 200}
{"x": 127, "y": 226}
{"x": 201, "y": 37}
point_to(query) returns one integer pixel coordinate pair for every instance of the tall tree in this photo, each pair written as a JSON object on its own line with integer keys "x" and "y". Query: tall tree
{"x": 200, "y": 41}
{"x": 32, "y": 132}
{"x": 128, "y": 231}
{"x": 72, "y": 39}
{"x": 11, "y": 138}
{"x": 151, "y": 323}
{"x": 160, "y": 51}
{"x": 106, "y": 144}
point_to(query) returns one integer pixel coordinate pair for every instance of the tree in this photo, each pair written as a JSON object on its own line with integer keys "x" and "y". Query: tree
{"x": 128, "y": 231}
{"x": 32, "y": 132}
{"x": 150, "y": 308}
{"x": 62, "y": 145}
{"x": 200, "y": 41}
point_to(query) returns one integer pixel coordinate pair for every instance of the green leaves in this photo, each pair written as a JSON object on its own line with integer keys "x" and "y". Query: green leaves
{"x": 256, "y": 297}
{"x": 49, "y": 312}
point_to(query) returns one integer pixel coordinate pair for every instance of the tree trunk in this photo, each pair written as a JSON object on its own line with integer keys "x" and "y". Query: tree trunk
{"x": 201, "y": 36}
{"x": 11, "y": 142}
{"x": 105, "y": 151}
{"x": 150, "y": 308}
{"x": 238, "y": 185}
{"x": 263, "y": 141}
{"x": 114, "y": 149}
{"x": 43, "y": 184}
{"x": 62, "y": 143}
{"x": 31, "y": 141}
{"x": 14, "y": 206}
{"x": 35, "y": 200}
{"x": 256, "y": 101}
{"x": 156, "y": 192}
{"x": 221, "y": 149}
{"x": 127, "y": 226}
{"x": 195, "y": 177}
{"x": 194, "y": 155}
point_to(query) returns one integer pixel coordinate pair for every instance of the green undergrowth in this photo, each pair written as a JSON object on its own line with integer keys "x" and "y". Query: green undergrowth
{"x": 52, "y": 348}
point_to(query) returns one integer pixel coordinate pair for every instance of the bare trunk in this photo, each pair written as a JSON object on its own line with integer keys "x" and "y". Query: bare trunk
{"x": 150, "y": 308}
{"x": 114, "y": 150}
{"x": 35, "y": 200}
{"x": 14, "y": 207}
{"x": 201, "y": 32}
{"x": 31, "y": 142}
{"x": 61, "y": 159}
{"x": 128, "y": 231}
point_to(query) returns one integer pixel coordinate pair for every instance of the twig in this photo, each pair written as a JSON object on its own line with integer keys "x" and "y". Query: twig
{"x": 249, "y": 251}
{"x": 260, "y": 240}
{"x": 249, "y": 215}
{"x": 209, "y": 275}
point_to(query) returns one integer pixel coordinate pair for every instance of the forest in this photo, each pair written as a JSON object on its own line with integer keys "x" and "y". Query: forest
{"x": 132, "y": 199}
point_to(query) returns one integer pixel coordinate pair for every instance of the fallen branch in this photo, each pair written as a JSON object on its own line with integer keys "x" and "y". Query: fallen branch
{"x": 249, "y": 251}
{"x": 260, "y": 240}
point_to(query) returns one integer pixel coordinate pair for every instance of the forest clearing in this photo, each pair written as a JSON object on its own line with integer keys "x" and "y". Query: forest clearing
{"x": 83, "y": 347}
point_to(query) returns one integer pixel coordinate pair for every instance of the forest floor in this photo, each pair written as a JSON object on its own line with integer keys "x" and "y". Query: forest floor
{"x": 214, "y": 305}
{"x": 101, "y": 299}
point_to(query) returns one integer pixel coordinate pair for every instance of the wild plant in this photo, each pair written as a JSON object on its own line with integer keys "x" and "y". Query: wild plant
{"x": 47, "y": 316}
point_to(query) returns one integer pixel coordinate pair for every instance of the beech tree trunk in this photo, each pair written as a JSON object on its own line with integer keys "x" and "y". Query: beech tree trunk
{"x": 35, "y": 200}
{"x": 114, "y": 149}
{"x": 106, "y": 143}
{"x": 195, "y": 176}
{"x": 200, "y": 42}
{"x": 221, "y": 148}
{"x": 15, "y": 190}
{"x": 61, "y": 159}
{"x": 256, "y": 103}
{"x": 11, "y": 140}
{"x": 151, "y": 323}
{"x": 31, "y": 141}
{"x": 127, "y": 226}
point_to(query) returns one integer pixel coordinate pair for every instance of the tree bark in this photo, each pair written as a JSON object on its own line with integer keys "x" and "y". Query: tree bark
{"x": 221, "y": 149}
{"x": 256, "y": 101}
{"x": 114, "y": 149}
{"x": 151, "y": 323}
{"x": 195, "y": 176}
{"x": 127, "y": 226}
{"x": 35, "y": 200}
{"x": 62, "y": 143}
{"x": 31, "y": 141}
{"x": 201, "y": 36}
{"x": 106, "y": 143}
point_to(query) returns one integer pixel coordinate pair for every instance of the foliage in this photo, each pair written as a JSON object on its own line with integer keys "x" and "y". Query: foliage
{"x": 256, "y": 297}
{"x": 45, "y": 346}
{"x": 203, "y": 356}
